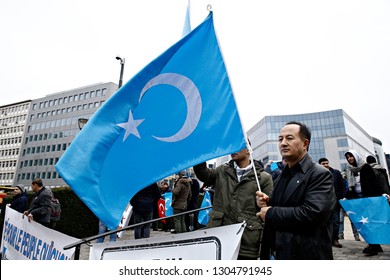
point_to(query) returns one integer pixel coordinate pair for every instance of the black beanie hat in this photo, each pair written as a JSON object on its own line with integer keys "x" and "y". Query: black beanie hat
{"x": 370, "y": 159}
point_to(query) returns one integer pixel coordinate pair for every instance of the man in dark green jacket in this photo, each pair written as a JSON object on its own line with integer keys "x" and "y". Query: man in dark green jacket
{"x": 234, "y": 201}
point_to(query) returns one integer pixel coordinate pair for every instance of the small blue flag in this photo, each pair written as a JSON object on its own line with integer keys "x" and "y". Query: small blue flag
{"x": 203, "y": 216}
{"x": 371, "y": 217}
{"x": 175, "y": 113}
{"x": 274, "y": 166}
{"x": 168, "y": 204}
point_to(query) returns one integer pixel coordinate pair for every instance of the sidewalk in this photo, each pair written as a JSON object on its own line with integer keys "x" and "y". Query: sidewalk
{"x": 352, "y": 250}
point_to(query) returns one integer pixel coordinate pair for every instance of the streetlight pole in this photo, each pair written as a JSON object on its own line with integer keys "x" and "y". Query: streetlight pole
{"x": 82, "y": 122}
{"x": 122, "y": 61}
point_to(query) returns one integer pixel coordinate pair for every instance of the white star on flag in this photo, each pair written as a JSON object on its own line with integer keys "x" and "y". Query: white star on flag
{"x": 130, "y": 126}
{"x": 364, "y": 220}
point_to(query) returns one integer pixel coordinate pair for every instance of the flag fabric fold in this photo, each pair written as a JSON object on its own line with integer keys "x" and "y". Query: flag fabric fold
{"x": 175, "y": 113}
{"x": 203, "y": 216}
{"x": 187, "y": 21}
{"x": 371, "y": 217}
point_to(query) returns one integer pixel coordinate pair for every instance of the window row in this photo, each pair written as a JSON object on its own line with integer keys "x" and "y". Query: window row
{"x": 13, "y": 120}
{"x": 9, "y": 130}
{"x": 42, "y": 175}
{"x": 54, "y": 123}
{"x": 14, "y": 109}
{"x": 71, "y": 98}
{"x": 80, "y": 107}
{"x": 45, "y": 149}
{"x": 6, "y": 176}
{"x": 10, "y": 141}
{"x": 43, "y": 136}
{"x": 39, "y": 162}
{"x": 9, "y": 152}
{"x": 51, "y": 135}
{"x": 7, "y": 163}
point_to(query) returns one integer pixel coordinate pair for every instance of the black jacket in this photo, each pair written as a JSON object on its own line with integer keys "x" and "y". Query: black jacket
{"x": 370, "y": 183}
{"x": 299, "y": 224}
{"x": 19, "y": 202}
{"x": 381, "y": 184}
{"x": 144, "y": 200}
{"x": 338, "y": 183}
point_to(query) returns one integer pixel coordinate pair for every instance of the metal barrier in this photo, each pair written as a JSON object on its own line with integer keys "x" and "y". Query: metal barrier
{"x": 88, "y": 239}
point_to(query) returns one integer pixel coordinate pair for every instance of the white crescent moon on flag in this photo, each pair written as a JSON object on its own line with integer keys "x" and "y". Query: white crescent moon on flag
{"x": 193, "y": 101}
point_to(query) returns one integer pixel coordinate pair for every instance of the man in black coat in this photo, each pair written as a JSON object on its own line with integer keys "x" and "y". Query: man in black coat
{"x": 192, "y": 219}
{"x": 339, "y": 188}
{"x": 298, "y": 219}
{"x": 142, "y": 203}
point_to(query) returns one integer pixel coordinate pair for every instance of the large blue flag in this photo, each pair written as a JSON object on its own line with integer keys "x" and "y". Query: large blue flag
{"x": 175, "y": 113}
{"x": 371, "y": 217}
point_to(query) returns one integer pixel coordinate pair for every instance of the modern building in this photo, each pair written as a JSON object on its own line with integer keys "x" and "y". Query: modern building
{"x": 51, "y": 127}
{"x": 333, "y": 133}
{"x": 13, "y": 120}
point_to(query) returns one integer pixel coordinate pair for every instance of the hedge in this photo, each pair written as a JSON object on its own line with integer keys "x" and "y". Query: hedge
{"x": 77, "y": 220}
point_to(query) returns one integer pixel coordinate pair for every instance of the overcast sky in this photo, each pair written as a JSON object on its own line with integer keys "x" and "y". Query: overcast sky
{"x": 283, "y": 57}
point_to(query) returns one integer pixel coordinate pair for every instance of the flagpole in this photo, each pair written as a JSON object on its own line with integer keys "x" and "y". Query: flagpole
{"x": 209, "y": 8}
{"x": 253, "y": 163}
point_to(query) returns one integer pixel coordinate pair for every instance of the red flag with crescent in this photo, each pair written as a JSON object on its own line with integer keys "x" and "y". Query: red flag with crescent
{"x": 161, "y": 209}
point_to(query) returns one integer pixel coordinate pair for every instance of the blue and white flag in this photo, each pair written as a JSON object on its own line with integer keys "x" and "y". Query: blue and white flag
{"x": 168, "y": 204}
{"x": 177, "y": 112}
{"x": 203, "y": 216}
{"x": 371, "y": 217}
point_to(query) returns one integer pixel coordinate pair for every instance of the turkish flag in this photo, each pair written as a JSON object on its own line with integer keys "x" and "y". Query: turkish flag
{"x": 161, "y": 209}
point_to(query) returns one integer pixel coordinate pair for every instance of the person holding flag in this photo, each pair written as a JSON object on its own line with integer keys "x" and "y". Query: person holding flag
{"x": 298, "y": 217}
{"x": 235, "y": 187}
{"x": 362, "y": 176}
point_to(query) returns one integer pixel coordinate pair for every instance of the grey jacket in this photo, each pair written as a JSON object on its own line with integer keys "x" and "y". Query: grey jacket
{"x": 235, "y": 202}
{"x": 40, "y": 206}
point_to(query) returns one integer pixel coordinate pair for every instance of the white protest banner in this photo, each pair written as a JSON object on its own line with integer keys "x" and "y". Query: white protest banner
{"x": 220, "y": 243}
{"x": 23, "y": 240}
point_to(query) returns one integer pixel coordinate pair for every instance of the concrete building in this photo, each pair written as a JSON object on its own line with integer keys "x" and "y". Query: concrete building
{"x": 13, "y": 120}
{"x": 52, "y": 125}
{"x": 333, "y": 133}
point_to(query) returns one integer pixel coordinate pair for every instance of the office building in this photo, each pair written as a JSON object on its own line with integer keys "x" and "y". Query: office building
{"x": 51, "y": 126}
{"x": 13, "y": 120}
